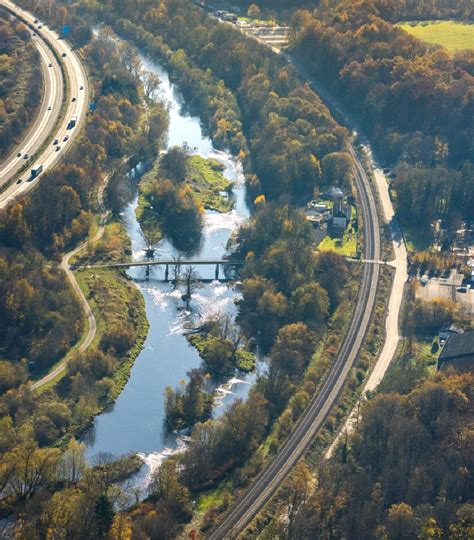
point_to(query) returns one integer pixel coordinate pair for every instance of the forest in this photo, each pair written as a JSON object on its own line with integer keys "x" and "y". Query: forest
{"x": 20, "y": 81}
{"x": 276, "y": 112}
{"x": 404, "y": 474}
{"x": 414, "y": 100}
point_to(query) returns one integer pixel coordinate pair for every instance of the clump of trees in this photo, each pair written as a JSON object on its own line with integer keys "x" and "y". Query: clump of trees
{"x": 20, "y": 81}
{"x": 404, "y": 473}
{"x": 171, "y": 205}
{"x": 190, "y": 403}
{"x": 38, "y": 313}
{"x": 59, "y": 494}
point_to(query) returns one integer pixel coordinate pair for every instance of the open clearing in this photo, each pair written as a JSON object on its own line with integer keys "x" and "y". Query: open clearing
{"x": 452, "y": 35}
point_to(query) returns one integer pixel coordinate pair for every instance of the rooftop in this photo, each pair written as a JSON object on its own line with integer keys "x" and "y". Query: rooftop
{"x": 458, "y": 346}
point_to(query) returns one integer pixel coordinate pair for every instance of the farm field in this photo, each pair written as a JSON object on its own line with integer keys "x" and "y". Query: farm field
{"x": 452, "y": 35}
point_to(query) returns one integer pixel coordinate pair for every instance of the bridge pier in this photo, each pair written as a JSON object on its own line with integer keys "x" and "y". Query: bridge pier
{"x": 147, "y": 272}
{"x": 217, "y": 271}
{"x": 166, "y": 273}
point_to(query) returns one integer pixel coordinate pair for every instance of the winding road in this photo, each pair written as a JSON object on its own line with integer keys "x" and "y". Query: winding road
{"x": 64, "y": 63}
{"x": 88, "y": 338}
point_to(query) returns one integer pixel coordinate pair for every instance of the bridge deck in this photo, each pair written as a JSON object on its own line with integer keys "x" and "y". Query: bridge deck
{"x": 165, "y": 262}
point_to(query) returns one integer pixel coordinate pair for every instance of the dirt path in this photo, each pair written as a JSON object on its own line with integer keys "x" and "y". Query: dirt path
{"x": 91, "y": 322}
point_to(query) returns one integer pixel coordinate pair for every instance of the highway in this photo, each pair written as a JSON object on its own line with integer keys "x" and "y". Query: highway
{"x": 44, "y": 122}
{"x": 48, "y": 42}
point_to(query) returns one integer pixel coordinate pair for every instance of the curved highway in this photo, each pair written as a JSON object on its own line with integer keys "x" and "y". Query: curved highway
{"x": 49, "y": 111}
{"x": 78, "y": 99}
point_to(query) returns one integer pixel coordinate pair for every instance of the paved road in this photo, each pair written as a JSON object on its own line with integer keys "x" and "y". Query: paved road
{"x": 77, "y": 78}
{"x": 91, "y": 323}
{"x": 45, "y": 120}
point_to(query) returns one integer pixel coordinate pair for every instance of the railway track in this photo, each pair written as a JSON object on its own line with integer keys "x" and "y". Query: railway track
{"x": 320, "y": 406}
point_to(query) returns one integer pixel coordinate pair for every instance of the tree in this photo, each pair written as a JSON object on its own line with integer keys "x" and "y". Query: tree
{"x": 401, "y": 523}
{"x": 297, "y": 492}
{"x": 151, "y": 85}
{"x": 167, "y": 490}
{"x": 253, "y": 11}
{"x": 173, "y": 164}
{"x": 189, "y": 278}
{"x": 337, "y": 169}
{"x": 31, "y": 468}
{"x": 293, "y": 349}
{"x": 330, "y": 271}
{"x": 73, "y": 462}
{"x": 310, "y": 304}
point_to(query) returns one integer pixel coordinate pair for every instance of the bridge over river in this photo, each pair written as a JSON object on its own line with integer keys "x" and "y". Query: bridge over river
{"x": 174, "y": 263}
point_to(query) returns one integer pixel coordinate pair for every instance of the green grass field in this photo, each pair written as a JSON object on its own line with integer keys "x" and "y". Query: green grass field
{"x": 452, "y": 35}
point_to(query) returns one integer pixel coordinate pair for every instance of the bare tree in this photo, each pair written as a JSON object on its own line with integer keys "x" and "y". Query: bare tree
{"x": 175, "y": 271}
{"x": 190, "y": 278}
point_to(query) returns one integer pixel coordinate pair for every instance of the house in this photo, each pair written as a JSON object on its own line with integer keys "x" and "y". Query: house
{"x": 447, "y": 331}
{"x": 458, "y": 352}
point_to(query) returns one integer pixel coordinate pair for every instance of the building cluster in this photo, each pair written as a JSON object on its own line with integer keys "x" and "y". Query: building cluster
{"x": 337, "y": 216}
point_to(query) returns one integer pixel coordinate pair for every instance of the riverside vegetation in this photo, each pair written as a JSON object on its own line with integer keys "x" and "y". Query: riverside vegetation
{"x": 174, "y": 194}
{"x": 34, "y": 232}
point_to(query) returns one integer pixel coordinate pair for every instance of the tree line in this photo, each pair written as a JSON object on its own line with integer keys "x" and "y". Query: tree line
{"x": 21, "y": 81}
{"x": 403, "y": 474}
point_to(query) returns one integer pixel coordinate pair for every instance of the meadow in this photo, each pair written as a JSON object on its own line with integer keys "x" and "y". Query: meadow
{"x": 452, "y": 35}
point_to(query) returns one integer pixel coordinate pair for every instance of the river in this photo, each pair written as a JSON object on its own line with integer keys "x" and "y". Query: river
{"x": 135, "y": 422}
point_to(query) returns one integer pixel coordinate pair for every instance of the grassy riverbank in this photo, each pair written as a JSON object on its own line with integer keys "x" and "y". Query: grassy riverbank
{"x": 115, "y": 300}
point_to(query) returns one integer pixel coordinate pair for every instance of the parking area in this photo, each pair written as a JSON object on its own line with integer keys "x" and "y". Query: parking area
{"x": 450, "y": 289}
